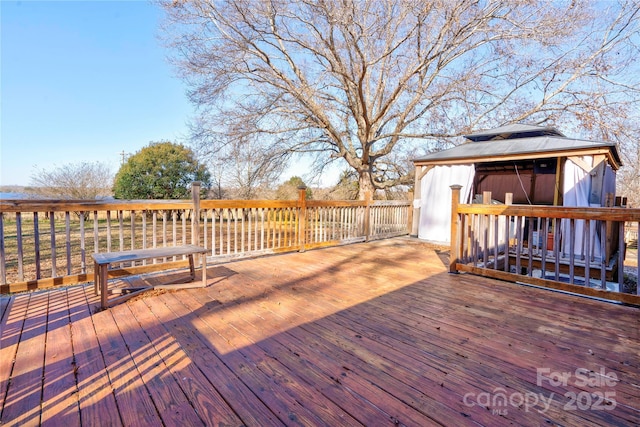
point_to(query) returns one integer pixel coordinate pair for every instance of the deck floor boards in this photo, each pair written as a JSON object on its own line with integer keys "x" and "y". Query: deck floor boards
{"x": 366, "y": 334}
{"x": 59, "y": 394}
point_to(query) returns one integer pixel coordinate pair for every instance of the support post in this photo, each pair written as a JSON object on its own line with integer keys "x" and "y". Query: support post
{"x": 454, "y": 250}
{"x": 302, "y": 217}
{"x": 195, "y": 220}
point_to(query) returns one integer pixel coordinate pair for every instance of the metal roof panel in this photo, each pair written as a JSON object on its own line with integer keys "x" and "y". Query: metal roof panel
{"x": 513, "y": 147}
{"x": 512, "y": 130}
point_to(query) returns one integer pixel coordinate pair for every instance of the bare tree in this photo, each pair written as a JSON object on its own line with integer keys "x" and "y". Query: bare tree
{"x": 243, "y": 167}
{"x": 366, "y": 81}
{"x": 83, "y": 180}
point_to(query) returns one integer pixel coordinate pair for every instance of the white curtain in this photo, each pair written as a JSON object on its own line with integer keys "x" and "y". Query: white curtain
{"x": 577, "y": 187}
{"x": 435, "y": 200}
{"x": 609, "y": 184}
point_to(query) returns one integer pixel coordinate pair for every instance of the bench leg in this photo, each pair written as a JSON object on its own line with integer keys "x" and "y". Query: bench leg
{"x": 96, "y": 278}
{"x": 203, "y": 263}
{"x": 192, "y": 268}
{"x": 104, "y": 296}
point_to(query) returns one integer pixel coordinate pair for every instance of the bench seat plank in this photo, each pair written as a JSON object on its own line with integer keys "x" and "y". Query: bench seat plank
{"x": 142, "y": 254}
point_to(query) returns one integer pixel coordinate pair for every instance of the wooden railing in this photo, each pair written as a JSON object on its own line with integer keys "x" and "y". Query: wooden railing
{"x": 573, "y": 249}
{"x": 49, "y": 243}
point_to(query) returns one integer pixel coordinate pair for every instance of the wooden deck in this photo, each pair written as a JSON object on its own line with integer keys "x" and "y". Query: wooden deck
{"x": 365, "y": 334}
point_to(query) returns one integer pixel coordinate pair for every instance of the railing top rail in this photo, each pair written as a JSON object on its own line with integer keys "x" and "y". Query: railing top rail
{"x": 90, "y": 205}
{"x": 607, "y": 214}
{"x": 391, "y": 203}
{"x": 330, "y": 203}
{"x": 227, "y": 203}
{"x": 31, "y": 205}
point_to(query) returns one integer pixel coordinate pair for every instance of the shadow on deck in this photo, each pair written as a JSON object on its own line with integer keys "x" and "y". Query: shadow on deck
{"x": 373, "y": 334}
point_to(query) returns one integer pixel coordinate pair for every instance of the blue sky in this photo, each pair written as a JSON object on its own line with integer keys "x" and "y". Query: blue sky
{"x": 83, "y": 81}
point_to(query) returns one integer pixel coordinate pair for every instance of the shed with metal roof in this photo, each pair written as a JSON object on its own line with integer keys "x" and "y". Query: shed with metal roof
{"x": 538, "y": 165}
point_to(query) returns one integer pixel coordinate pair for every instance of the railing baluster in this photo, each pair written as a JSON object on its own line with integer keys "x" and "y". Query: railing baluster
{"x": 468, "y": 231}
{"x": 519, "y": 243}
{"x": 67, "y": 228}
{"x": 144, "y": 233}
{"x": 121, "y": 232}
{"x": 83, "y": 254}
{"x": 249, "y": 227}
{"x": 255, "y": 228}
{"x": 507, "y": 243}
{"x": 164, "y": 231}
{"x": 20, "y": 246}
{"x": 530, "y": 246}
{"x": 3, "y": 259}
{"x": 279, "y": 222}
{"x": 313, "y": 225}
{"x": 352, "y": 223}
{"x": 293, "y": 226}
{"x": 228, "y": 236}
{"x": 205, "y": 234}
{"x": 556, "y": 248}
{"x": 243, "y": 230}
{"x": 154, "y": 229}
{"x": 347, "y": 223}
{"x": 587, "y": 255}
{"x": 262, "y": 213}
{"x": 603, "y": 254}
{"x": 235, "y": 230}
{"x": 317, "y": 225}
{"x": 132, "y": 227}
{"x": 621, "y": 255}
{"x": 462, "y": 249}
{"x": 334, "y": 211}
{"x": 96, "y": 232}
{"x": 496, "y": 242}
{"x": 52, "y": 235}
{"x": 545, "y": 229}
{"x": 214, "y": 214}
{"x": 184, "y": 230}
{"x": 291, "y": 229}
{"x": 384, "y": 219}
{"x": 174, "y": 229}
{"x": 108, "y": 231}
{"x": 582, "y": 243}
{"x": 572, "y": 245}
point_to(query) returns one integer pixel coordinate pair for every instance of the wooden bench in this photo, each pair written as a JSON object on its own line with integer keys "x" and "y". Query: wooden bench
{"x": 102, "y": 261}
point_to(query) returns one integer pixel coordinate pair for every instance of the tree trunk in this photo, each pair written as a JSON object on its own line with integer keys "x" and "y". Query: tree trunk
{"x": 365, "y": 185}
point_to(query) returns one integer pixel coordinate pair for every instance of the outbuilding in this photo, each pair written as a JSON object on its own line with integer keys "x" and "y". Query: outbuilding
{"x": 538, "y": 165}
